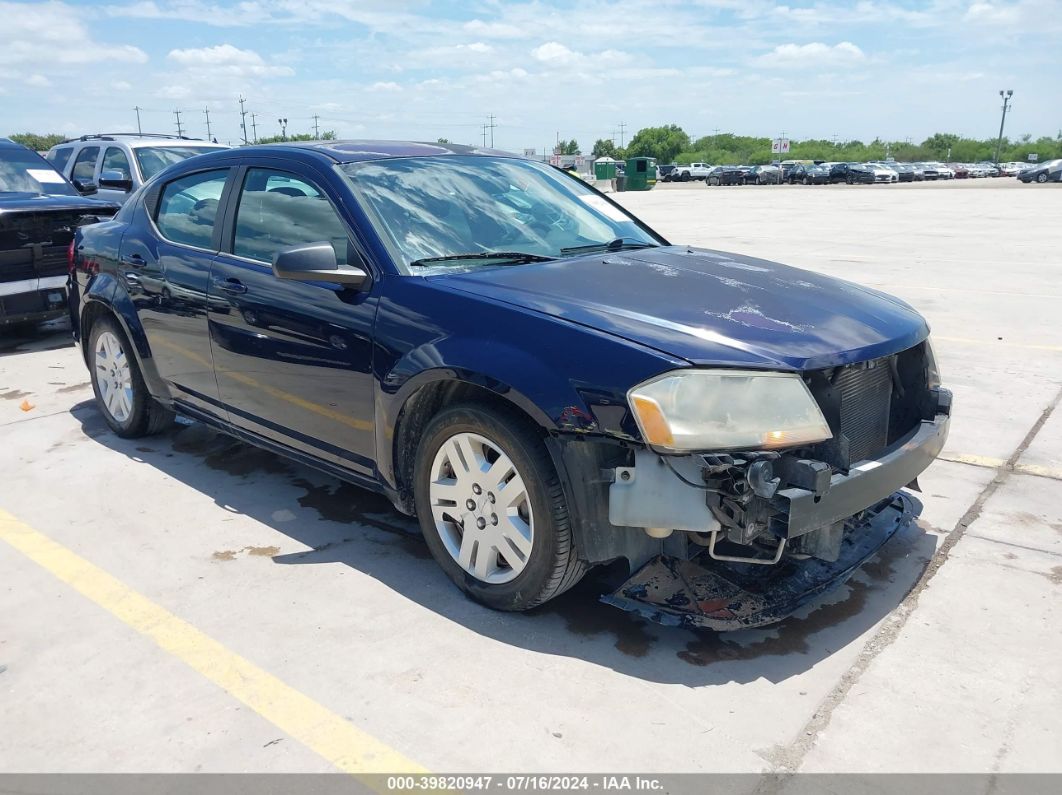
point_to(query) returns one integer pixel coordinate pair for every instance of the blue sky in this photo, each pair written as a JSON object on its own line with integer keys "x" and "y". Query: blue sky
{"x": 420, "y": 69}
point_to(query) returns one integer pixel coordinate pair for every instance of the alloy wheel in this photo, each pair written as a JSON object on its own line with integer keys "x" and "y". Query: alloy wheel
{"x": 113, "y": 376}
{"x": 481, "y": 508}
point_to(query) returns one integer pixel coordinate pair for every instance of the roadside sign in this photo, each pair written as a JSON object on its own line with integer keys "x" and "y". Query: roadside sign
{"x": 780, "y": 146}
{"x": 1033, "y": 157}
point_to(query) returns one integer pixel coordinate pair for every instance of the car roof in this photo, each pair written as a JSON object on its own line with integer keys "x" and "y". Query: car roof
{"x": 355, "y": 151}
{"x": 134, "y": 141}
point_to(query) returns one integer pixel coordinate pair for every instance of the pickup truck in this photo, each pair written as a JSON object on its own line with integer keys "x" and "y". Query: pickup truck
{"x": 692, "y": 171}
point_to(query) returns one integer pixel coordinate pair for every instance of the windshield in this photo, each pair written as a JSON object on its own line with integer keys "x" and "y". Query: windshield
{"x": 153, "y": 159}
{"x": 433, "y": 207}
{"x": 23, "y": 171}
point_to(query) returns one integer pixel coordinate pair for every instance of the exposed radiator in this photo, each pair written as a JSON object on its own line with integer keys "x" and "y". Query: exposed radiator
{"x": 865, "y": 405}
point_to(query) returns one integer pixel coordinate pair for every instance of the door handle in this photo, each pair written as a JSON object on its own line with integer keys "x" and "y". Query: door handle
{"x": 230, "y": 286}
{"x": 134, "y": 261}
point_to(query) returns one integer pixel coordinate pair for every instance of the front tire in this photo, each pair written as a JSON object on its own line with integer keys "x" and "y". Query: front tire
{"x": 1041, "y": 178}
{"x": 121, "y": 394}
{"x": 492, "y": 509}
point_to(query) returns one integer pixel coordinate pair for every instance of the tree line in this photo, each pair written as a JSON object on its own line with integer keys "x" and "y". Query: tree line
{"x": 671, "y": 144}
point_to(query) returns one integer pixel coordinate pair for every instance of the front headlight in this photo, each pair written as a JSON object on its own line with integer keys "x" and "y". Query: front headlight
{"x": 727, "y": 410}
{"x": 932, "y": 369}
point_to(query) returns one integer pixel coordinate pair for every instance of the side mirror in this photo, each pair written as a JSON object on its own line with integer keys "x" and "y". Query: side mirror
{"x": 115, "y": 180}
{"x": 316, "y": 262}
{"x": 85, "y": 188}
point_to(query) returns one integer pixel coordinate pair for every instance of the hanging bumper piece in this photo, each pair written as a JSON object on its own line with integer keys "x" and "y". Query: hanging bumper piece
{"x": 724, "y": 595}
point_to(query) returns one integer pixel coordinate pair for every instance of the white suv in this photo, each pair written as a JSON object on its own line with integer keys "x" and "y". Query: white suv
{"x": 119, "y": 163}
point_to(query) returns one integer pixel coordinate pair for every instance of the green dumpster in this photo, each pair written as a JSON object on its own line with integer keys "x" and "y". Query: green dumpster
{"x": 641, "y": 173}
{"x": 605, "y": 168}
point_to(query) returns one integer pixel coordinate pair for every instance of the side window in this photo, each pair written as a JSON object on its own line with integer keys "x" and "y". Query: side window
{"x": 85, "y": 165}
{"x": 278, "y": 210}
{"x": 114, "y": 159}
{"x": 60, "y": 157}
{"x": 188, "y": 206}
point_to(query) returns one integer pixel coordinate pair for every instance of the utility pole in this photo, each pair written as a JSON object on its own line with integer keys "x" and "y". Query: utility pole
{"x": 491, "y": 127}
{"x": 622, "y": 126}
{"x": 283, "y": 129}
{"x": 316, "y": 131}
{"x": 138, "y": 130}
{"x": 206, "y": 112}
{"x": 254, "y": 127}
{"x": 180, "y": 132}
{"x": 243, "y": 120}
{"x": 1006, "y": 99}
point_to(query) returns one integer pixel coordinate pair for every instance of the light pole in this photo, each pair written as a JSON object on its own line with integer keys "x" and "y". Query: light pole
{"x": 1006, "y": 99}
{"x": 283, "y": 128}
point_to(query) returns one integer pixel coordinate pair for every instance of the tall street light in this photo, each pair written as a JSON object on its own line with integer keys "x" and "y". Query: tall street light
{"x": 283, "y": 128}
{"x": 1006, "y": 99}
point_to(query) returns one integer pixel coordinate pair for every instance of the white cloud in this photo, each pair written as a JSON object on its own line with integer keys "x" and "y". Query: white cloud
{"x": 385, "y": 86}
{"x": 494, "y": 30}
{"x": 228, "y": 60}
{"x": 39, "y": 81}
{"x": 121, "y": 85}
{"x": 51, "y": 34}
{"x": 813, "y": 55}
{"x": 993, "y": 13}
{"x": 555, "y": 54}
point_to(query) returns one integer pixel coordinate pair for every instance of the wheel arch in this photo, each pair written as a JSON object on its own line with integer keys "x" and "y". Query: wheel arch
{"x": 118, "y": 305}
{"x": 421, "y": 400}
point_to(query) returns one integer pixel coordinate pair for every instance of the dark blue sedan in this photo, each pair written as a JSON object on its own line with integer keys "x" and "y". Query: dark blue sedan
{"x": 510, "y": 355}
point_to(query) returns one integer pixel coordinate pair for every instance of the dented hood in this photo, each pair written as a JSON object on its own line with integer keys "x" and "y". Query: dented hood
{"x": 709, "y": 307}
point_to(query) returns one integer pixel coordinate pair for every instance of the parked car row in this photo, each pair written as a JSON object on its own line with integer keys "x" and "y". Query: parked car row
{"x": 874, "y": 172}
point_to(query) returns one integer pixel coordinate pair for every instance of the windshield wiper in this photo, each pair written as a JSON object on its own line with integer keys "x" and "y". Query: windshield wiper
{"x": 612, "y": 245}
{"x": 510, "y": 258}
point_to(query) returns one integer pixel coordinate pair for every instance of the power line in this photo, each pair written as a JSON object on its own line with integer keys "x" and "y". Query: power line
{"x": 243, "y": 120}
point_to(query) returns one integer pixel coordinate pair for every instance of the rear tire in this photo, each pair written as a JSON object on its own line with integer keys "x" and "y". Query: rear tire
{"x": 121, "y": 394}
{"x": 516, "y": 572}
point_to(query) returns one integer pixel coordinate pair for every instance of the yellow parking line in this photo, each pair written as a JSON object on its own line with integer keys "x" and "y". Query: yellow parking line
{"x": 1028, "y": 346}
{"x": 348, "y": 748}
{"x": 973, "y": 460}
{"x": 995, "y": 463}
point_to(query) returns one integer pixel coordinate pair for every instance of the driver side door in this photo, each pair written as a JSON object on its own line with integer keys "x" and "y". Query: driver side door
{"x": 293, "y": 358}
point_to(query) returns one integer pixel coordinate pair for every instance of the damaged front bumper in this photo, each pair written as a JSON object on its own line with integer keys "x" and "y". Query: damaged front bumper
{"x": 807, "y": 525}
{"x": 730, "y": 596}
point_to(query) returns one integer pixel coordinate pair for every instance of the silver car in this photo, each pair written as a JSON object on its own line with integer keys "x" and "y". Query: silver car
{"x": 119, "y": 163}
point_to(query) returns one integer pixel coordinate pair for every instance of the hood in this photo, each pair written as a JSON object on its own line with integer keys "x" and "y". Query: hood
{"x": 709, "y": 307}
{"x": 33, "y": 202}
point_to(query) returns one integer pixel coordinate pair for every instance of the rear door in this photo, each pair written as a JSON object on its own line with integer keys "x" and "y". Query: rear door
{"x": 165, "y": 267}
{"x": 293, "y": 359}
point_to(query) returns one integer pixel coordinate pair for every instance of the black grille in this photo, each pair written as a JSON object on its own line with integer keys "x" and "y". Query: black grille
{"x": 865, "y": 392}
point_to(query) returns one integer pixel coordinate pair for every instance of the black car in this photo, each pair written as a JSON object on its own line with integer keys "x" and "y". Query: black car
{"x": 763, "y": 175}
{"x": 905, "y": 171}
{"x": 664, "y": 172}
{"x": 1051, "y": 171}
{"x": 505, "y": 352}
{"x": 726, "y": 175}
{"x": 39, "y": 211}
{"x": 851, "y": 174}
{"x": 808, "y": 175}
